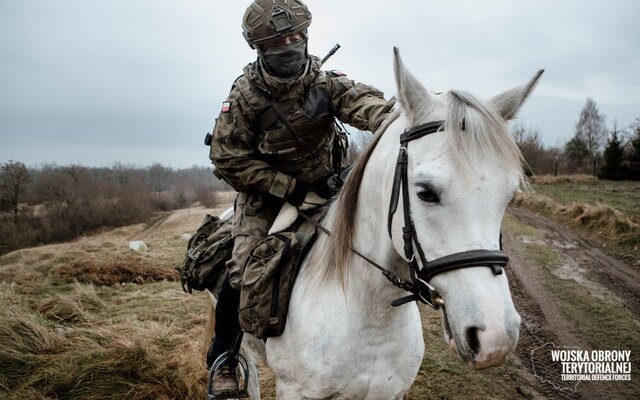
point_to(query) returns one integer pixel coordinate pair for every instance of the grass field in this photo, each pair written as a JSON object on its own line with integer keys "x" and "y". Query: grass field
{"x": 607, "y": 212}
{"x": 621, "y": 195}
{"x": 93, "y": 320}
{"x": 117, "y": 329}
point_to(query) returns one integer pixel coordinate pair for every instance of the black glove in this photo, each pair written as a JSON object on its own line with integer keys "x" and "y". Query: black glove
{"x": 334, "y": 183}
{"x": 299, "y": 193}
{"x": 327, "y": 188}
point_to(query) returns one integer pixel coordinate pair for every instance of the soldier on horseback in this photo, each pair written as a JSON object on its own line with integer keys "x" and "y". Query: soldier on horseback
{"x": 275, "y": 141}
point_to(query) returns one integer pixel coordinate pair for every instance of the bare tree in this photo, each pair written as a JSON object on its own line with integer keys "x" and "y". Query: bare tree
{"x": 591, "y": 129}
{"x": 13, "y": 180}
{"x": 533, "y": 151}
{"x": 539, "y": 158}
{"x": 160, "y": 177}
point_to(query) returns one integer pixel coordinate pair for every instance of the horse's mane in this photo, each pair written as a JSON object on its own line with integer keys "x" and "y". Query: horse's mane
{"x": 485, "y": 134}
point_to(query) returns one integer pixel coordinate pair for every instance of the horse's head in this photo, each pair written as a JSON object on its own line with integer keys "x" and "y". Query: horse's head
{"x": 460, "y": 180}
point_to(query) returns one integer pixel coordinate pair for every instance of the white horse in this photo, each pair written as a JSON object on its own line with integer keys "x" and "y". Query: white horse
{"x": 343, "y": 339}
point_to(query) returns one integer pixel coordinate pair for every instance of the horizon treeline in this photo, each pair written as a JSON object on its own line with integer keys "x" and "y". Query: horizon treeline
{"x": 52, "y": 203}
{"x": 608, "y": 153}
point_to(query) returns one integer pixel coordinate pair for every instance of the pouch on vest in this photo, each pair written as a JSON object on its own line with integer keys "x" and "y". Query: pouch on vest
{"x": 267, "y": 282}
{"x": 207, "y": 253}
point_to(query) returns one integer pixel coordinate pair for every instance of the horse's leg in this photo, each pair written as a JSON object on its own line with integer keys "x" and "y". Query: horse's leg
{"x": 254, "y": 381}
{"x": 287, "y": 391}
{"x": 254, "y": 351}
{"x": 209, "y": 325}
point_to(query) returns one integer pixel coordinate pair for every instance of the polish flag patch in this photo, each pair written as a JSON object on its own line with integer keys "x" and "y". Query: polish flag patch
{"x": 338, "y": 73}
{"x": 226, "y": 106}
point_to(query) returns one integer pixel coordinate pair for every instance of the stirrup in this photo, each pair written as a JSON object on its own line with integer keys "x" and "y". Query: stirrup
{"x": 243, "y": 377}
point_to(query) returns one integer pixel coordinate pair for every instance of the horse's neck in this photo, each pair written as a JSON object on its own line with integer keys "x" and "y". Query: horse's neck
{"x": 366, "y": 283}
{"x": 366, "y": 287}
{"x": 372, "y": 240}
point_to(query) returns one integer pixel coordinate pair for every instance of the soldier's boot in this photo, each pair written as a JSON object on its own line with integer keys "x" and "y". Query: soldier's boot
{"x": 224, "y": 380}
{"x": 227, "y": 323}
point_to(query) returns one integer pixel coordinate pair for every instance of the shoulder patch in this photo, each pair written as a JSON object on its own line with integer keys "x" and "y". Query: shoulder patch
{"x": 335, "y": 72}
{"x": 226, "y": 106}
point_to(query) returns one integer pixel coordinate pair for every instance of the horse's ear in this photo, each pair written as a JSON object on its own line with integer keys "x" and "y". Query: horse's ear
{"x": 509, "y": 102}
{"x": 414, "y": 98}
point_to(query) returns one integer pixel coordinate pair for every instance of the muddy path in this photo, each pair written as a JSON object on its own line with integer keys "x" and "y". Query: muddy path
{"x": 618, "y": 278}
{"x": 543, "y": 323}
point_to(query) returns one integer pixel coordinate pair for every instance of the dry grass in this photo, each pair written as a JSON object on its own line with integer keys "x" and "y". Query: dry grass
{"x": 72, "y": 307}
{"x": 549, "y": 179}
{"x": 66, "y": 334}
{"x": 61, "y": 336}
{"x": 600, "y": 217}
{"x": 104, "y": 254}
{"x": 116, "y": 273}
{"x": 606, "y": 224}
{"x": 106, "y": 344}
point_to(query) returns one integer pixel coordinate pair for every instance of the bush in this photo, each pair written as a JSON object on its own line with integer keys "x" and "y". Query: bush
{"x": 73, "y": 200}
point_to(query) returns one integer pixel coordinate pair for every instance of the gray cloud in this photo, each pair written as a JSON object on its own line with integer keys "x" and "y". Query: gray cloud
{"x": 96, "y": 82}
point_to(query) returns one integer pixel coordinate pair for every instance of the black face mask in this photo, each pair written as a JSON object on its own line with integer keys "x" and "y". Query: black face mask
{"x": 285, "y": 61}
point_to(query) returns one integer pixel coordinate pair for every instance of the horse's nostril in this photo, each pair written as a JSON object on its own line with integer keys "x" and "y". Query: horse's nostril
{"x": 472, "y": 340}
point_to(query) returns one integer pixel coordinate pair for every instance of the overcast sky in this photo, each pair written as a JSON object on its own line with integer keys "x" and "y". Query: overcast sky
{"x": 94, "y": 82}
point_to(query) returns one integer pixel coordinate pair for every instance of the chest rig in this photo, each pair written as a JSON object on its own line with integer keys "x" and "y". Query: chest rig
{"x": 295, "y": 133}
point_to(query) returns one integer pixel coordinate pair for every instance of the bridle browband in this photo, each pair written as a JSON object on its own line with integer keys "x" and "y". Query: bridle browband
{"x": 419, "y": 287}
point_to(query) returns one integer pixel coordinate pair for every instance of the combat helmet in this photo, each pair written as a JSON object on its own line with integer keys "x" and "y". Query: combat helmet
{"x": 266, "y": 20}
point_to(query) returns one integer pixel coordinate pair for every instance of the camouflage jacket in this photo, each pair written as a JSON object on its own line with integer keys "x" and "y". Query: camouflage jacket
{"x": 272, "y": 159}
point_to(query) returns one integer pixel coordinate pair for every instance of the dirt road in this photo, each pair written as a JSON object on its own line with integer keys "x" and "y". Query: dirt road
{"x": 569, "y": 293}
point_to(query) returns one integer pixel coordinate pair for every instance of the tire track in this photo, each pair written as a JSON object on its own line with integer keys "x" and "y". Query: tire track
{"x": 542, "y": 321}
{"x": 621, "y": 279}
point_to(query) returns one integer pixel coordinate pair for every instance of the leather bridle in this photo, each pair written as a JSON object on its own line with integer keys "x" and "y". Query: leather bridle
{"x": 419, "y": 286}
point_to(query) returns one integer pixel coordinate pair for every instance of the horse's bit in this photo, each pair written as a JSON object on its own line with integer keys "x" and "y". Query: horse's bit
{"x": 419, "y": 287}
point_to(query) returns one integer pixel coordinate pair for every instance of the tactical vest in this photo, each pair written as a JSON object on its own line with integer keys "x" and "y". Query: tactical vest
{"x": 307, "y": 157}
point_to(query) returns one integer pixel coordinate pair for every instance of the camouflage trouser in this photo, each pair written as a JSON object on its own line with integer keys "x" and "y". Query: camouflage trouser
{"x": 254, "y": 215}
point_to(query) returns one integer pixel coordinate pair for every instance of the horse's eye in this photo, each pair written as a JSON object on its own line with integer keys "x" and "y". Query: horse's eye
{"x": 427, "y": 194}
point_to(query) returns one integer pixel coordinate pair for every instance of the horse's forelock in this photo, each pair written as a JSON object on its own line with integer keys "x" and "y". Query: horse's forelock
{"x": 485, "y": 134}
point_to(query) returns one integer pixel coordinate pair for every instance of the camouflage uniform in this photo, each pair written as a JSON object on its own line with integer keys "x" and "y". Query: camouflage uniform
{"x": 270, "y": 160}
{"x": 264, "y": 165}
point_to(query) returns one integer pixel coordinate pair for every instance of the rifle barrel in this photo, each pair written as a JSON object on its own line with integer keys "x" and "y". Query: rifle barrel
{"x": 331, "y": 53}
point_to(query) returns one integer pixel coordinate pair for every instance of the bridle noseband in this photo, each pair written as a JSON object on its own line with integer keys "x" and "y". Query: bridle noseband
{"x": 419, "y": 287}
